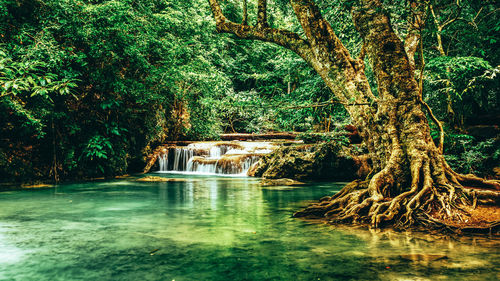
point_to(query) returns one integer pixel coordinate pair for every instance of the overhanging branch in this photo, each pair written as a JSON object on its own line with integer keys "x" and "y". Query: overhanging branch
{"x": 284, "y": 38}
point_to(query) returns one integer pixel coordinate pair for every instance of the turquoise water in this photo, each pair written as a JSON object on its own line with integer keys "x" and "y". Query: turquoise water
{"x": 211, "y": 228}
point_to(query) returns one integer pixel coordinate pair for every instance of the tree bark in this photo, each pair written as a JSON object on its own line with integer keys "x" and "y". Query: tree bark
{"x": 410, "y": 181}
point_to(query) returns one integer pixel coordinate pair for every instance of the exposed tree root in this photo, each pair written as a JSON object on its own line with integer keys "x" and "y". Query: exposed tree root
{"x": 475, "y": 181}
{"x": 435, "y": 198}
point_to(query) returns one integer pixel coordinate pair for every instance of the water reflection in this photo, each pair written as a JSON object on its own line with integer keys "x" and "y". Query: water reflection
{"x": 9, "y": 254}
{"x": 208, "y": 228}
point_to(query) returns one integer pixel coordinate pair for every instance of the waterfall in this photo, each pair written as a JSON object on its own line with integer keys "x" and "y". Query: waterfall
{"x": 213, "y": 157}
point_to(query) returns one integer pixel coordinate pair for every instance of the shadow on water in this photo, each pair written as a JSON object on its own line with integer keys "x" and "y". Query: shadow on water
{"x": 212, "y": 228}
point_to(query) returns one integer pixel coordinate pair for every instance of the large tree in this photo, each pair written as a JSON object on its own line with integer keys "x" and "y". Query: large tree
{"x": 411, "y": 181}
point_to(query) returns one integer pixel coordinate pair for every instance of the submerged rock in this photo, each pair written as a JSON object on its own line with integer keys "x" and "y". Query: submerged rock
{"x": 280, "y": 182}
{"x": 326, "y": 161}
{"x": 158, "y": 179}
{"x": 38, "y": 186}
{"x": 422, "y": 257}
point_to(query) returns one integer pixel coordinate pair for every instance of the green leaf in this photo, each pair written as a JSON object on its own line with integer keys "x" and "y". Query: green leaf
{"x": 31, "y": 81}
{"x": 7, "y": 85}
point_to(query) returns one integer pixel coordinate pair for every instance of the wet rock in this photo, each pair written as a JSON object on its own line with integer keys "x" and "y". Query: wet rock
{"x": 280, "y": 182}
{"x": 251, "y": 172}
{"x": 422, "y": 257}
{"x": 152, "y": 179}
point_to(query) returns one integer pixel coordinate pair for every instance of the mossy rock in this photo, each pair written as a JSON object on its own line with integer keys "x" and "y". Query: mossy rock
{"x": 326, "y": 161}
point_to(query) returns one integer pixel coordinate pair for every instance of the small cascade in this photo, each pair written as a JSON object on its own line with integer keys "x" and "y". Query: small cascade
{"x": 213, "y": 157}
{"x": 181, "y": 157}
{"x": 163, "y": 160}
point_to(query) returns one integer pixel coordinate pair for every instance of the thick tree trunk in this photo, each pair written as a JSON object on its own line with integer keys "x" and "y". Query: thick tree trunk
{"x": 410, "y": 182}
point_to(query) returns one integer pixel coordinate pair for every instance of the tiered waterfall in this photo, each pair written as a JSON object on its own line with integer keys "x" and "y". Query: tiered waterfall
{"x": 233, "y": 157}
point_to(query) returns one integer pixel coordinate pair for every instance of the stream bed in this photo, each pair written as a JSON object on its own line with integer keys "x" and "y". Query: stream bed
{"x": 212, "y": 228}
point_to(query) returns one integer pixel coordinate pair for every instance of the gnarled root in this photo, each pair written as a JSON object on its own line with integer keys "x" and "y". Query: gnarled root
{"x": 338, "y": 200}
{"x": 435, "y": 197}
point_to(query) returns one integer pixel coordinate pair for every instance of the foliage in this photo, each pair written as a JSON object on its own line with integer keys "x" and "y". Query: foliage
{"x": 339, "y": 137}
{"x": 467, "y": 155}
{"x": 466, "y": 86}
{"x": 88, "y": 88}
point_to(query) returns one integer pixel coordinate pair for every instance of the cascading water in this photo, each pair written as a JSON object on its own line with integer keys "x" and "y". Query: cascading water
{"x": 213, "y": 157}
{"x": 163, "y": 160}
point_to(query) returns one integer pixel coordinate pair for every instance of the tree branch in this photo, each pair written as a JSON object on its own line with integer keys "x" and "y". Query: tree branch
{"x": 450, "y": 19}
{"x": 326, "y": 103}
{"x": 245, "y": 13}
{"x": 5, "y": 94}
{"x": 333, "y": 62}
{"x": 438, "y": 33}
{"x": 284, "y": 38}
{"x": 421, "y": 95}
{"x": 322, "y": 49}
{"x": 441, "y": 26}
{"x": 262, "y": 14}
{"x": 317, "y": 30}
{"x": 487, "y": 15}
{"x": 416, "y": 23}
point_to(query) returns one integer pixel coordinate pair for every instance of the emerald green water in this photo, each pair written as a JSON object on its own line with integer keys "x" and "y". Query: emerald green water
{"x": 210, "y": 228}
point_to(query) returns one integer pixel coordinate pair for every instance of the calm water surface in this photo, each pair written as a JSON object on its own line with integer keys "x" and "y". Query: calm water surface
{"x": 211, "y": 228}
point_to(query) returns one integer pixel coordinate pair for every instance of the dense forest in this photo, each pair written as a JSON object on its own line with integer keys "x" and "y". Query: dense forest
{"x": 89, "y": 88}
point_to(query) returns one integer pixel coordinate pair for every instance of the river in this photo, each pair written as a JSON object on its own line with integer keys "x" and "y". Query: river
{"x": 212, "y": 228}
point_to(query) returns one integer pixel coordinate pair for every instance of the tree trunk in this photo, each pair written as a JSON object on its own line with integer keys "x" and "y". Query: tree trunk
{"x": 410, "y": 182}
